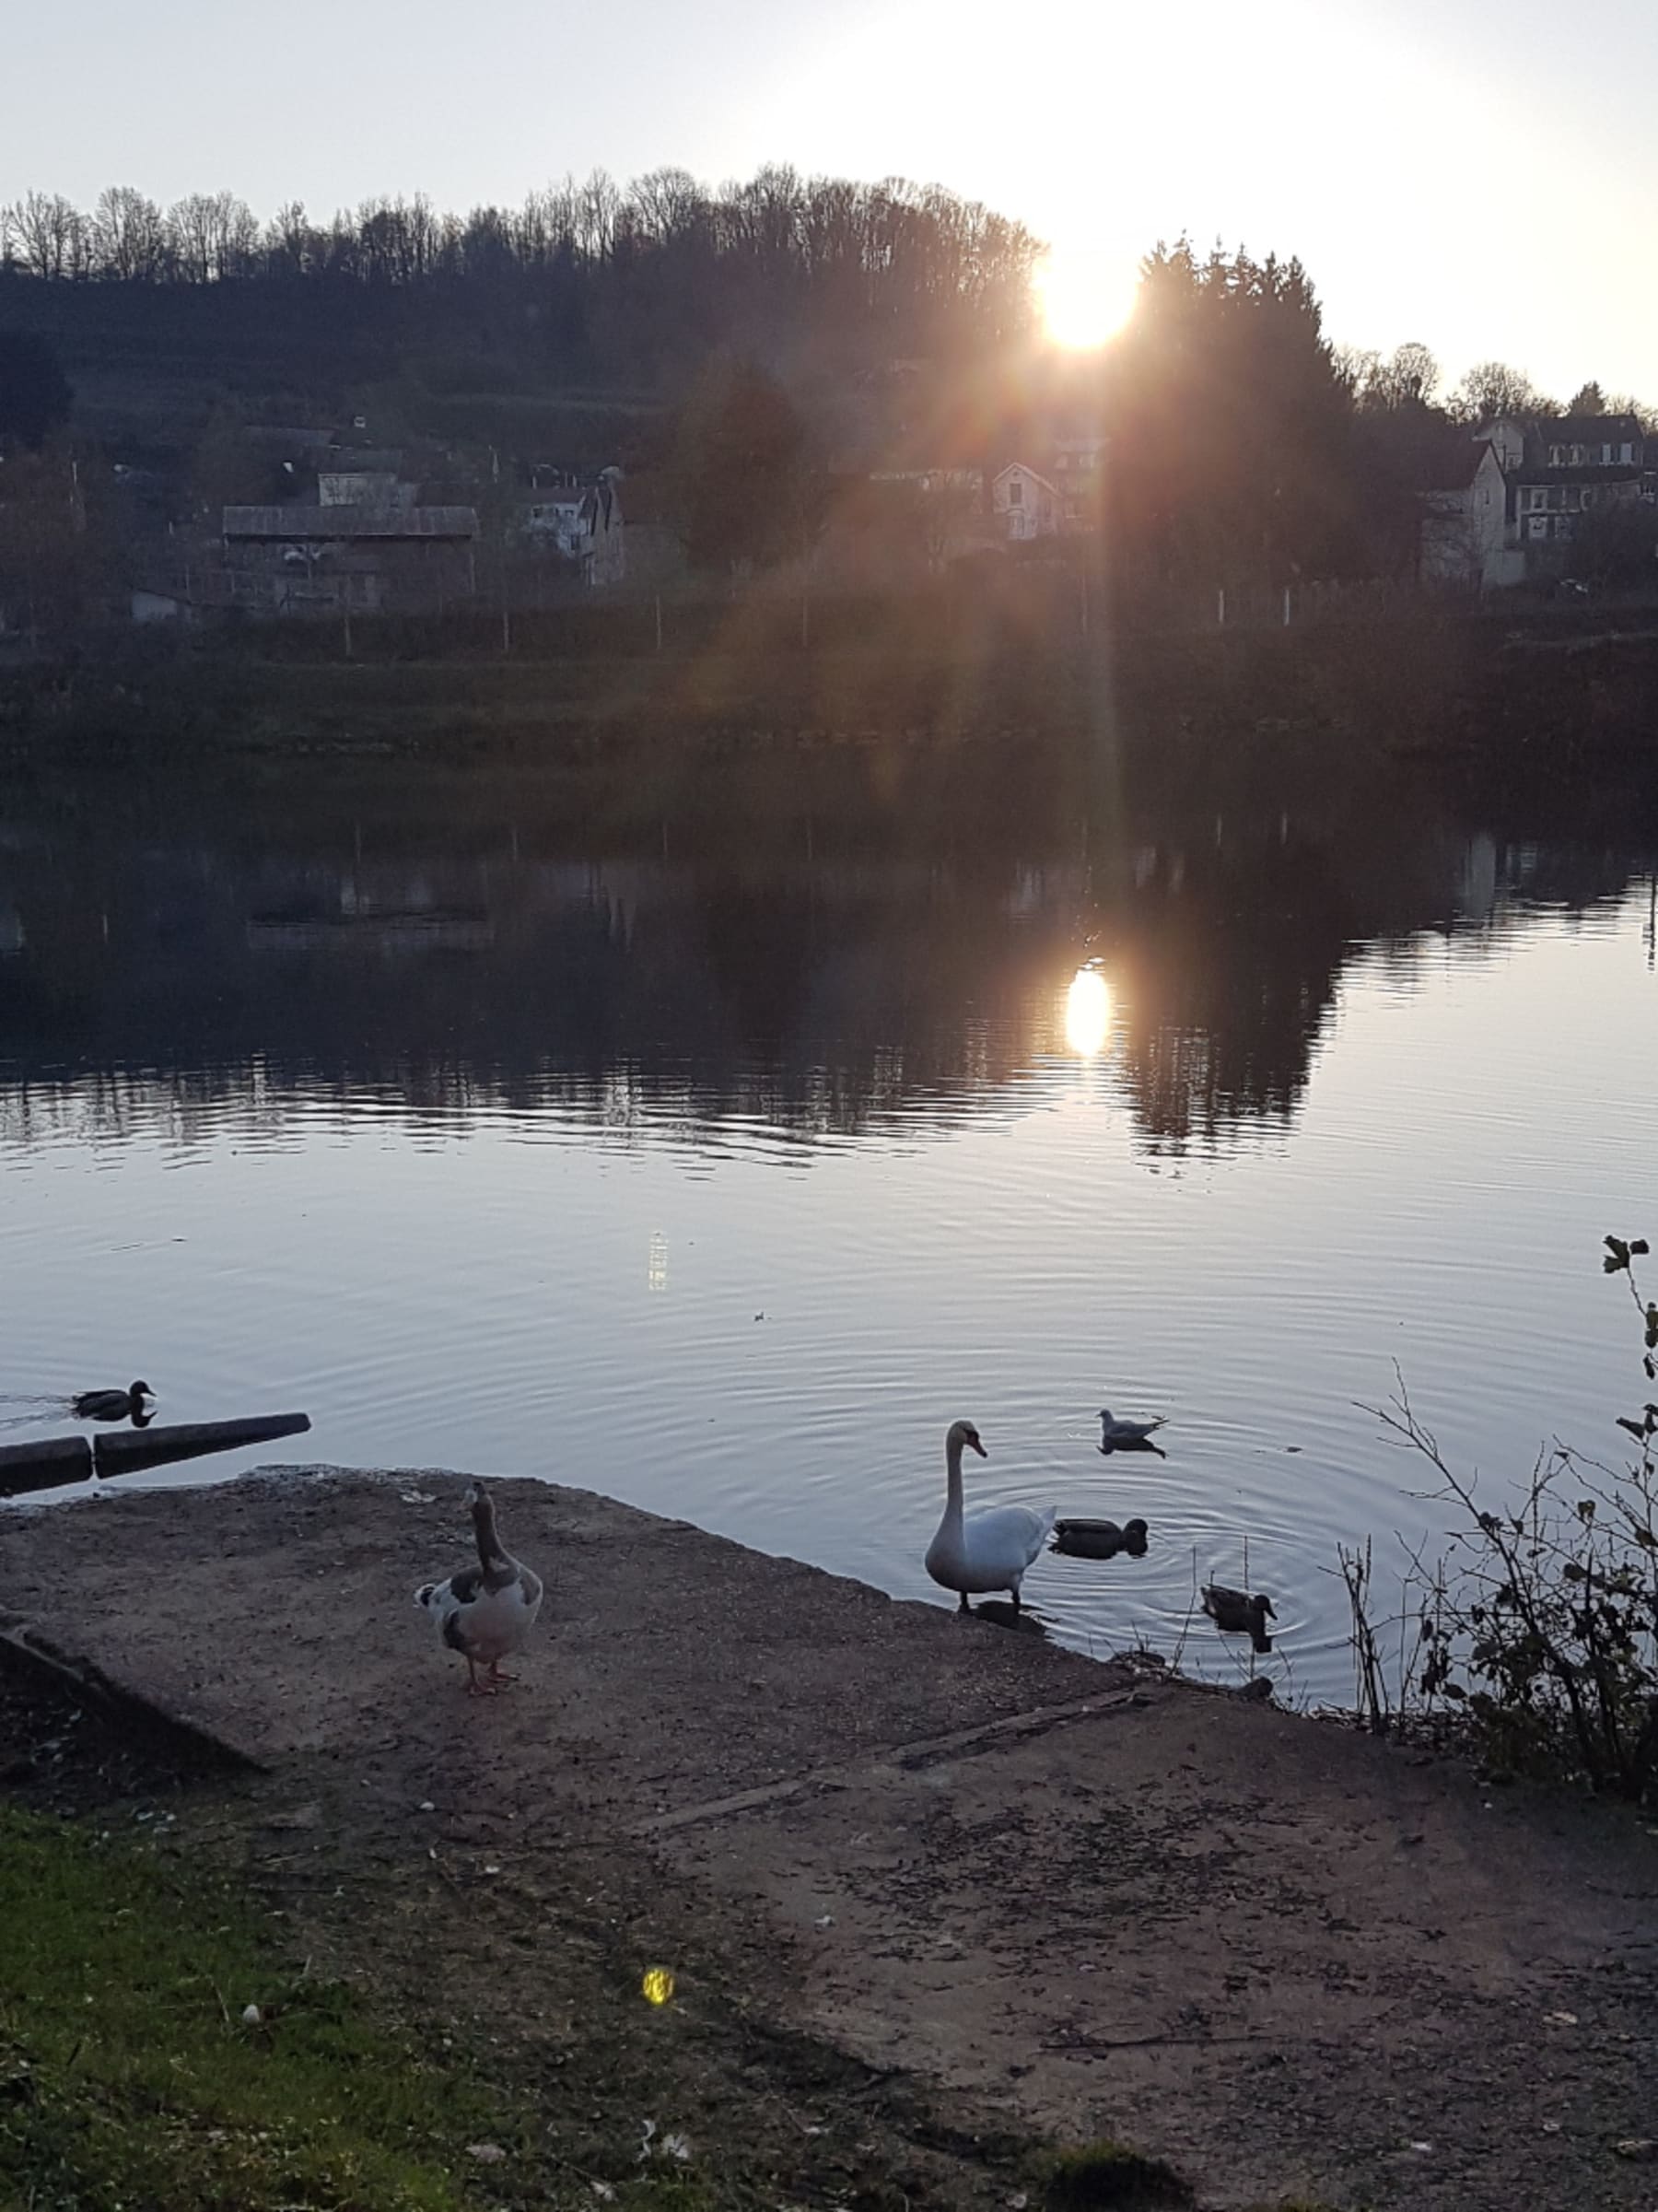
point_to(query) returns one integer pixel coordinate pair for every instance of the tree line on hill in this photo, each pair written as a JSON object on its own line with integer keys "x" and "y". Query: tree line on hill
{"x": 1244, "y": 446}
{"x": 636, "y": 273}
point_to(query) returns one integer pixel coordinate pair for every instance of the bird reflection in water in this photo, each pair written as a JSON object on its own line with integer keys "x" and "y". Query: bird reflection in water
{"x": 1088, "y": 1012}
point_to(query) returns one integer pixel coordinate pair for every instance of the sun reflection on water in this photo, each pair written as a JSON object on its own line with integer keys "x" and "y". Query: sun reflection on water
{"x": 1088, "y": 1012}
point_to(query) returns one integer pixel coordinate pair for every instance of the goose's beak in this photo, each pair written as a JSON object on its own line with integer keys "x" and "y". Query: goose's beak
{"x": 978, "y": 1448}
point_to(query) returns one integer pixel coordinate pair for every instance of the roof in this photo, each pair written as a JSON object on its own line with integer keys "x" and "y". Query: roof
{"x": 1454, "y": 469}
{"x": 359, "y": 460}
{"x": 1025, "y": 469}
{"x": 1587, "y": 429}
{"x": 297, "y": 524}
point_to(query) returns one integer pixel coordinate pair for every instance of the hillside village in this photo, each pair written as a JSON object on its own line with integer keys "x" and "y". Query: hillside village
{"x": 786, "y": 386}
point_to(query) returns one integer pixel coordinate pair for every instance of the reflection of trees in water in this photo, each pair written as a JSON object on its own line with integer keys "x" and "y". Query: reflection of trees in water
{"x": 179, "y": 989}
{"x": 1230, "y": 968}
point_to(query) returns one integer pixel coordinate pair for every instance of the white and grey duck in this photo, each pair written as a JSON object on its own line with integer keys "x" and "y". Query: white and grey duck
{"x": 485, "y": 1613}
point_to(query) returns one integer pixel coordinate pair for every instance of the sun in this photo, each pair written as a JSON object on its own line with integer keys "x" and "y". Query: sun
{"x": 1086, "y": 298}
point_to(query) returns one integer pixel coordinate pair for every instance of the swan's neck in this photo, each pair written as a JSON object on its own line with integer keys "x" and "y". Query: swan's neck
{"x": 952, "y": 1473}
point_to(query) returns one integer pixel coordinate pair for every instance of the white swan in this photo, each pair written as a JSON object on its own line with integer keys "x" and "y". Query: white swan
{"x": 989, "y": 1551}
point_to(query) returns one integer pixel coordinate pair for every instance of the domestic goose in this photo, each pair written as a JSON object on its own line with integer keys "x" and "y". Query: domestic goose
{"x": 1239, "y": 1614}
{"x": 485, "y": 1613}
{"x": 1119, "y": 1436}
{"x": 113, "y": 1405}
{"x": 977, "y": 1553}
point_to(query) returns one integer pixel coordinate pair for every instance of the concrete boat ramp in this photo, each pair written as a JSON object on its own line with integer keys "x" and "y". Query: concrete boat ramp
{"x": 1281, "y": 1954}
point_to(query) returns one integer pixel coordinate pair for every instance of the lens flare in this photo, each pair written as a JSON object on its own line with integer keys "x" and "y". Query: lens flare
{"x": 1088, "y": 1012}
{"x": 1085, "y": 299}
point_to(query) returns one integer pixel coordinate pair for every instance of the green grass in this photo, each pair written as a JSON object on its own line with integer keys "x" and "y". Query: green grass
{"x": 128, "y": 2080}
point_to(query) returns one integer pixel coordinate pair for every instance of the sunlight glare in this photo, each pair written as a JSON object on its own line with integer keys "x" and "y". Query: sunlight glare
{"x": 1085, "y": 299}
{"x": 1087, "y": 1013}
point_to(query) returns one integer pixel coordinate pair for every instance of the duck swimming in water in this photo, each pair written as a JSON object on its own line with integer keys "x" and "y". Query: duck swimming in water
{"x": 992, "y": 1550}
{"x": 1236, "y": 1613}
{"x": 485, "y": 1613}
{"x": 113, "y": 1405}
{"x": 1100, "y": 1539}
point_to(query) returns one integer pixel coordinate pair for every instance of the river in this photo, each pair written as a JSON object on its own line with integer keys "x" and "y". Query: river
{"x": 720, "y": 1177}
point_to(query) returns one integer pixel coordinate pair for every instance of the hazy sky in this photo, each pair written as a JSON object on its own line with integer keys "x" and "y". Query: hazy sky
{"x": 1481, "y": 176}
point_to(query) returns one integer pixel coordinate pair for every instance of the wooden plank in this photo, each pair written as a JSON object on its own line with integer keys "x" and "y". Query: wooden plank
{"x": 128, "y": 1451}
{"x": 43, "y": 1465}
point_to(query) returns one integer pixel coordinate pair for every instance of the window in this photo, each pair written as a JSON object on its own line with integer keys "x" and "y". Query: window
{"x": 1625, "y": 453}
{"x": 1016, "y": 492}
{"x": 1557, "y": 457}
{"x": 1536, "y": 526}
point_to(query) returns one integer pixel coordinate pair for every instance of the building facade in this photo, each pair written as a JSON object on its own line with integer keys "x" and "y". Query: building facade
{"x": 1026, "y": 505}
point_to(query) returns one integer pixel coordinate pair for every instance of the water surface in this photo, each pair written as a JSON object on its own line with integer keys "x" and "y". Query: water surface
{"x": 721, "y": 1181}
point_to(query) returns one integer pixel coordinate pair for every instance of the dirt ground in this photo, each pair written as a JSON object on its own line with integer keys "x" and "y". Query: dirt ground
{"x": 931, "y": 1890}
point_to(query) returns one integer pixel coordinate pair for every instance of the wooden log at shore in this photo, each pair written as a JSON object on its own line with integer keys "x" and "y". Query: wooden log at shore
{"x": 128, "y": 1451}
{"x": 26, "y": 1467}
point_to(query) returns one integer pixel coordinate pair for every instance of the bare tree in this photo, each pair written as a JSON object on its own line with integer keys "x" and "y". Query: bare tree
{"x": 1491, "y": 389}
{"x": 50, "y": 234}
{"x": 212, "y": 236}
{"x": 129, "y": 235}
{"x": 291, "y": 243}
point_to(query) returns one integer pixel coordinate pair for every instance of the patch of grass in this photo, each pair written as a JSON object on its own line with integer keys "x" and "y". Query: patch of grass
{"x": 1108, "y": 2177}
{"x": 128, "y": 2078}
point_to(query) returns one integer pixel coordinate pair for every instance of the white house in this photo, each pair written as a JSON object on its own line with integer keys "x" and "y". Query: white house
{"x": 1506, "y": 438}
{"x": 1025, "y": 505}
{"x": 583, "y": 522}
{"x": 1465, "y": 532}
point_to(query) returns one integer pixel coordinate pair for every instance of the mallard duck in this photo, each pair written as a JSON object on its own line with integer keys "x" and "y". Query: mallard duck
{"x": 1100, "y": 1539}
{"x": 1119, "y": 1436}
{"x": 113, "y": 1405}
{"x": 1238, "y": 1614}
{"x": 986, "y": 1551}
{"x": 485, "y": 1613}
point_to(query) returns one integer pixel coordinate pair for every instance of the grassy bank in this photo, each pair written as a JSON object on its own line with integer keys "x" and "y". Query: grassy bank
{"x": 157, "y": 2047}
{"x": 1555, "y": 687}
